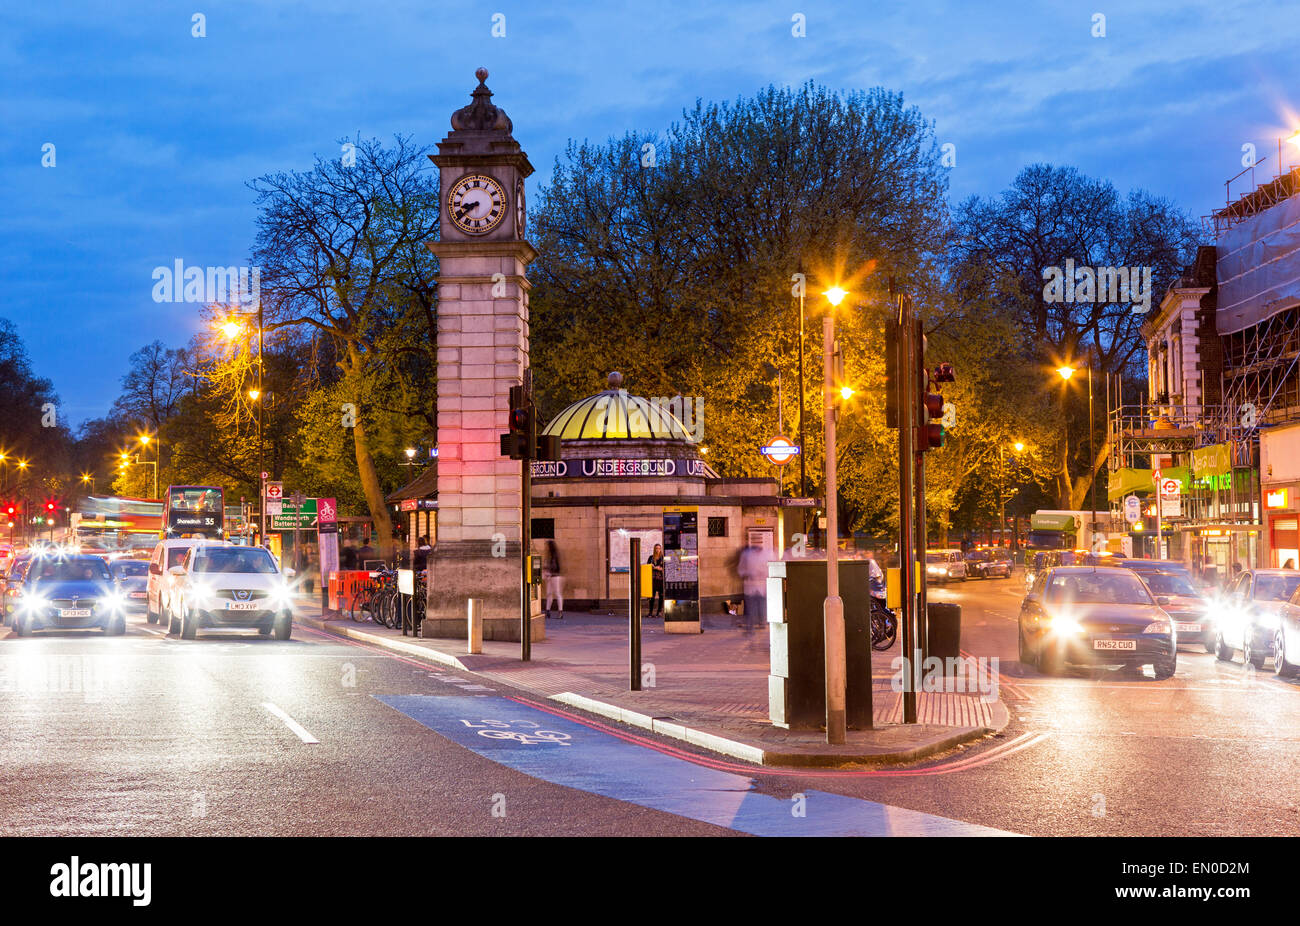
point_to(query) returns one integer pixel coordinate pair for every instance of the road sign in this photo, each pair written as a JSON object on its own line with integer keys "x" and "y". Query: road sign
{"x": 779, "y": 450}
{"x": 1171, "y": 502}
{"x": 800, "y": 502}
{"x": 291, "y": 516}
{"x": 274, "y": 491}
{"x": 1132, "y": 509}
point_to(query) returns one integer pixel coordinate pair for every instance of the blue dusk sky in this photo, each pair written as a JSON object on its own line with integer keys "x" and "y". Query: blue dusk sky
{"x": 155, "y": 132}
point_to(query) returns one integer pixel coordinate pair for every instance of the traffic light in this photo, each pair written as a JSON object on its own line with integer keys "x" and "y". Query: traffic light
{"x": 520, "y": 441}
{"x": 932, "y": 431}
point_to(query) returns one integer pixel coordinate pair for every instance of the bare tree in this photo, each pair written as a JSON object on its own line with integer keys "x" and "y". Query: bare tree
{"x": 342, "y": 250}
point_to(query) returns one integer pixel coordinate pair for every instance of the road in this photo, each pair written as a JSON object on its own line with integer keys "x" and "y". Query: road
{"x": 236, "y": 735}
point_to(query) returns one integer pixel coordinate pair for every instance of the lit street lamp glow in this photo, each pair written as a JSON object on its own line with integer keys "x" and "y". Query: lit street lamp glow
{"x": 835, "y": 295}
{"x": 1065, "y": 372}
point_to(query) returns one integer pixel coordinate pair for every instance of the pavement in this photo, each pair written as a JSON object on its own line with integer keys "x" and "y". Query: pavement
{"x": 708, "y": 690}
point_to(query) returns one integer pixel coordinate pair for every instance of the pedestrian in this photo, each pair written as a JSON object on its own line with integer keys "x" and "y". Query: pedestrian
{"x": 348, "y": 557}
{"x": 1289, "y": 564}
{"x": 420, "y": 559}
{"x": 656, "y": 561}
{"x": 1236, "y": 569}
{"x": 365, "y": 553}
{"x": 753, "y": 575}
{"x": 553, "y": 576}
{"x": 875, "y": 577}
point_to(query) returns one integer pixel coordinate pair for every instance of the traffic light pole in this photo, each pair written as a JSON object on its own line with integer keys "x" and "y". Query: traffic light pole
{"x": 526, "y": 529}
{"x": 921, "y": 379}
{"x": 907, "y": 416}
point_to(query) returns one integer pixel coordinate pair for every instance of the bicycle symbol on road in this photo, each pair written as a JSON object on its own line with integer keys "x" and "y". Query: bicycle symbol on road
{"x": 500, "y": 730}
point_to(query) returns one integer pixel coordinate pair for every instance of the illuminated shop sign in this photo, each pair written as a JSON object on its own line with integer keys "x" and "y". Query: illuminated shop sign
{"x": 620, "y": 469}
{"x": 1278, "y": 498}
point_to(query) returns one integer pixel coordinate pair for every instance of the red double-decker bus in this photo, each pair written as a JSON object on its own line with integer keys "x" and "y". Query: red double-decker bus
{"x": 194, "y": 511}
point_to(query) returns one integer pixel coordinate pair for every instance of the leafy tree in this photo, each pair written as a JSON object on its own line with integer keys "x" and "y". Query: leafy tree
{"x": 342, "y": 252}
{"x": 1002, "y": 254}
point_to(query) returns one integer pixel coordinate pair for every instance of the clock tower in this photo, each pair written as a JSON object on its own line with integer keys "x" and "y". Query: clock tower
{"x": 482, "y": 352}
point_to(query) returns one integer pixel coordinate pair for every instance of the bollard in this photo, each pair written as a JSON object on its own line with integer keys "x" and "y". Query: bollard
{"x": 634, "y": 613}
{"x": 474, "y": 608}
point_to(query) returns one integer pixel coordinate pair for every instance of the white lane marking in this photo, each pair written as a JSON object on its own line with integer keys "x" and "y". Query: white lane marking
{"x": 291, "y": 723}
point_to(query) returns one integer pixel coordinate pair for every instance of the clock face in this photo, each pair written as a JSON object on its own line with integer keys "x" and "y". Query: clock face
{"x": 519, "y": 209}
{"x": 476, "y": 204}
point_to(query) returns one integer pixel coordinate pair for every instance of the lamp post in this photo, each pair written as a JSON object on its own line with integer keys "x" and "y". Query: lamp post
{"x": 144, "y": 441}
{"x": 1065, "y": 373}
{"x": 833, "y": 609}
{"x": 232, "y": 329}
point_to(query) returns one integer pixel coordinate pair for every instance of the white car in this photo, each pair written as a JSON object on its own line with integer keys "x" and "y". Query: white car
{"x": 221, "y": 586}
{"x": 166, "y": 555}
{"x": 945, "y": 565}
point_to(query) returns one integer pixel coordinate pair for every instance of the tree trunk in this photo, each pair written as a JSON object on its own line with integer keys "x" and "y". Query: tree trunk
{"x": 1063, "y": 486}
{"x": 366, "y": 469}
{"x": 374, "y": 494}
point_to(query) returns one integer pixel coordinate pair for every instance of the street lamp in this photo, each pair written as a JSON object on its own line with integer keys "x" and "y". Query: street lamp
{"x": 1019, "y": 448}
{"x": 1065, "y": 373}
{"x": 232, "y": 329}
{"x": 87, "y": 478}
{"x": 833, "y": 609}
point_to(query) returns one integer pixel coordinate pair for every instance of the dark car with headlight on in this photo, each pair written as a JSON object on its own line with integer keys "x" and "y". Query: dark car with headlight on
{"x": 988, "y": 564}
{"x": 131, "y": 576}
{"x": 1095, "y": 615}
{"x": 1190, "y": 607}
{"x": 230, "y": 587}
{"x": 1249, "y": 614}
{"x": 69, "y": 593}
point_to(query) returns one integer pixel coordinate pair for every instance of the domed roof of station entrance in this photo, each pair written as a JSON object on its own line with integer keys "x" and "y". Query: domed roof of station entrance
{"x": 615, "y": 415}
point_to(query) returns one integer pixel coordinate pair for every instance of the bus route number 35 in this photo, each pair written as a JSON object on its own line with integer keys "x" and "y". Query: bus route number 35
{"x": 526, "y": 732}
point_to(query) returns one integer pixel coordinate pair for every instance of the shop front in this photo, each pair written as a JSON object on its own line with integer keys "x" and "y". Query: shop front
{"x": 1279, "y": 461}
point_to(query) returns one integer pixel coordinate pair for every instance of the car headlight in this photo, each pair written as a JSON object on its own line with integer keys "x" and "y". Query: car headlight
{"x": 282, "y": 598}
{"x": 1157, "y": 627}
{"x": 115, "y": 601}
{"x": 1065, "y": 625}
{"x": 202, "y": 596}
{"x": 33, "y": 602}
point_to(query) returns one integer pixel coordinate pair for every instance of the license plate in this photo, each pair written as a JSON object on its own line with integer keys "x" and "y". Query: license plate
{"x": 1188, "y": 628}
{"x": 241, "y": 605}
{"x": 74, "y": 612}
{"x": 1114, "y": 644}
{"x": 137, "y": 594}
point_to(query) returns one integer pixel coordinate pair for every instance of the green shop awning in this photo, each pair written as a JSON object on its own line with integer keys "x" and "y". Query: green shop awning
{"x": 1214, "y": 460}
{"x": 1131, "y": 481}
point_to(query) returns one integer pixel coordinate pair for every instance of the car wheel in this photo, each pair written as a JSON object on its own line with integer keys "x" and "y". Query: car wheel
{"x": 1049, "y": 661}
{"x": 283, "y": 627}
{"x": 22, "y": 626}
{"x": 115, "y": 627}
{"x": 1026, "y": 655}
{"x": 1281, "y": 668}
{"x": 1222, "y": 651}
{"x": 189, "y": 626}
{"x": 1209, "y": 646}
{"x": 1165, "y": 668}
{"x": 151, "y": 615}
{"x": 1250, "y": 653}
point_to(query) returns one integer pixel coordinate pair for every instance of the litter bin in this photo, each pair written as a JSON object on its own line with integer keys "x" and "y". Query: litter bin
{"x": 943, "y": 629}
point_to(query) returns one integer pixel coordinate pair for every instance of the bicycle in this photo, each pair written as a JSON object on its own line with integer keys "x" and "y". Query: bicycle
{"x": 381, "y": 604}
{"x": 884, "y": 626}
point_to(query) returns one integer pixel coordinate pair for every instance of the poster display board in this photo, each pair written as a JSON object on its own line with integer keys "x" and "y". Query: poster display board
{"x": 681, "y": 542}
{"x": 619, "y": 543}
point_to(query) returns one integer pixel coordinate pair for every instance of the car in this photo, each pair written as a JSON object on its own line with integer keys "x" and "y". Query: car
{"x": 167, "y": 554}
{"x": 1095, "y": 615}
{"x": 945, "y": 565}
{"x": 69, "y": 593}
{"x": 13, "y": 582}
{"x": 131, "y": 576}
{"x": 1248, "y": 615}
{"x": 1189, "y": 606}
{"x": 988, "y": 564}
{"x": 1286, "y": 639}
{"x": 221, "y": 586}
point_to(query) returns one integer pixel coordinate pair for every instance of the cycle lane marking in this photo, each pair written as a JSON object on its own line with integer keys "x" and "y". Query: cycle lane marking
{"x": 553, "y": 748}
{"x": 299, "y": 730}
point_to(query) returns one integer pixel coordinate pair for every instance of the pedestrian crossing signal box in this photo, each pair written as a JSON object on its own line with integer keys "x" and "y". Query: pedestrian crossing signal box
{"x": 535, "y": 569}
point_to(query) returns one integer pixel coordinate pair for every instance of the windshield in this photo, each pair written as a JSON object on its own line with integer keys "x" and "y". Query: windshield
{"x": 979, "y": 556}
{"x": 936, "y": 557}
{"x": 196, "y": 500}
{"x": 130, "y": 567}
{"x": 235, "y": 559}
{"x": 1097, "y": 588}
{"x": 82, "y": 569}
{"x": 1163, "y": 583}
{"x": 1275, "y": 588}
